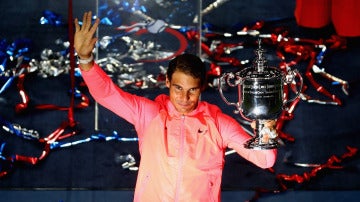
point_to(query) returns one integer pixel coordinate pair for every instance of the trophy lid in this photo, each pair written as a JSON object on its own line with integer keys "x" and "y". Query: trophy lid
{"x": 259, "y": 68}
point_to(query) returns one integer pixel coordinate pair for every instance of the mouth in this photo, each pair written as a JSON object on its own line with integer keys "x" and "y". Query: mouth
{"x": 184, "y": 105}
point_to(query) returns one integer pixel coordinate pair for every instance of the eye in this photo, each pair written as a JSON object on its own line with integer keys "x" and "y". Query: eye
{"x": 178, "y": 88}
{"x": 193, "y": 90}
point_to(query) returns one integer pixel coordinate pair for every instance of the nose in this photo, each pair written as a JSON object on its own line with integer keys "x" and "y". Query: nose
{"x": 184, "y": 96}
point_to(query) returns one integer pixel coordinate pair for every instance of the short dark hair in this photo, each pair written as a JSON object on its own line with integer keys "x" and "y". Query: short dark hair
{"x": 189, "y": 64}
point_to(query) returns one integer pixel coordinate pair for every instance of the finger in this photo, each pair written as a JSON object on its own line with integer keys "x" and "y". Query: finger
{"x": 76, "y": 23}
{"x": 88, "y": 20}
{"x": 270, "y": 122}
{"x": 93, "y": 42}
{"x": 84, "y": 20}
{"x": 253, "y": 124}
{"x": 95, "y": 26}
{"x": 86, "y": 24}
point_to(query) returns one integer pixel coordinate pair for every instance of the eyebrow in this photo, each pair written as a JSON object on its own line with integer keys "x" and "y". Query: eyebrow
{"x": 176, "y": 85}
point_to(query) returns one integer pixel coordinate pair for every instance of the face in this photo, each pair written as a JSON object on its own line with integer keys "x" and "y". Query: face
{"x": 184, "y": 92}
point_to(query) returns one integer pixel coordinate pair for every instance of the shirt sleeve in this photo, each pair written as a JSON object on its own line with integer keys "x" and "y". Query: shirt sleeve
{"x": 234, "y": 137}
{"x": 135, "y": 109}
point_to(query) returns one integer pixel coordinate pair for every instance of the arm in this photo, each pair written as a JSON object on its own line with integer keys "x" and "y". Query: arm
{"x": 235, "y": 137}
{"x": 136, "y": 110}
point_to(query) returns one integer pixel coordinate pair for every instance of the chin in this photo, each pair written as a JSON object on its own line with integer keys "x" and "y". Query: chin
{"x": 183, "y": 111}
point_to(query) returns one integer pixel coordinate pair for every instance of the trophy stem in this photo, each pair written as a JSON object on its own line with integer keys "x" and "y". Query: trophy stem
{"x": 259, "y": 142}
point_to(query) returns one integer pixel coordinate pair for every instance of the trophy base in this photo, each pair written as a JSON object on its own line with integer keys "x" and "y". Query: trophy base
{"x": 254, "y": 143}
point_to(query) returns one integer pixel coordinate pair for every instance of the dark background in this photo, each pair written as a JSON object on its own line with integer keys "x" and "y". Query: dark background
{"x": 320, "y": 131}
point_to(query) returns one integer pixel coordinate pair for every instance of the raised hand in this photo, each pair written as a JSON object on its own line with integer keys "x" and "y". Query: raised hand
{"x": 84, "y": 40}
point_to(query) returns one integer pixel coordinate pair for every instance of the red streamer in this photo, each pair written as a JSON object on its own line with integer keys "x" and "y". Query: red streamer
{"x": 25, "y": 99}
{"x": 72, "y": 63}
{"x": 307, "y": 176}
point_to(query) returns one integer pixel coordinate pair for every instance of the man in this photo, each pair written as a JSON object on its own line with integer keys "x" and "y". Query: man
{"x": 182, "y": 140}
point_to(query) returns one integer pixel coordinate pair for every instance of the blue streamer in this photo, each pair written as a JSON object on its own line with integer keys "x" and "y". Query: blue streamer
{"x": 96, "y": 137}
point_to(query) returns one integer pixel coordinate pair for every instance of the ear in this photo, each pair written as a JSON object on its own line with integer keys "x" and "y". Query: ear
{"x": 167, "y": 82}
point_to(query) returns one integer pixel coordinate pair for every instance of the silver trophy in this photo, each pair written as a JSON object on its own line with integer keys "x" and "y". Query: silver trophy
{"x": 261, "y": 97}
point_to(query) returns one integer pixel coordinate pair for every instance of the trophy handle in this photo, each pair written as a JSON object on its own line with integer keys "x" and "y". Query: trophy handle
{"x": 226, "y": 78}
{"x": 290, "y": 77}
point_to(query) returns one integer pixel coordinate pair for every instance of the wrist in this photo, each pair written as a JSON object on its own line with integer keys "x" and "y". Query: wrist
{"x": 86, "y": 60}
